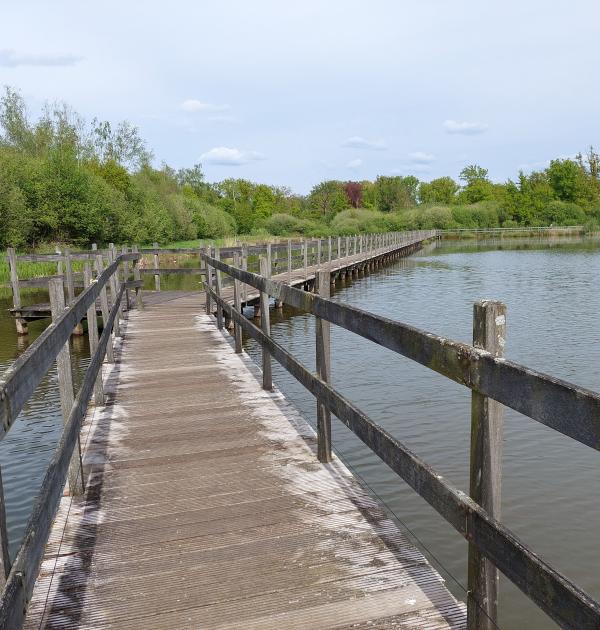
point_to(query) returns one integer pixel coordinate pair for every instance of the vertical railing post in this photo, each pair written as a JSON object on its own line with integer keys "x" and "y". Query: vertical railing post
{"x": 289, "y": 260}
{"x": 125, "y": 250}
{"x": 217, "y": 256}
{"x": 323, "y": 362}
{"x": 244, "y": 268}
{"x": 114, "y": 291}
{"x": 137, "y": 276}
{"x": 329, "y": 252}
{"x": 208, "y": 281}
{"x": 305, "y": 254}
{"x": 319, "y": 253}
{"x": 65, "y": 384}
{"x": 156, "y": 266}
{"x": 110, "y": 355}
{"x": 339, "y": 249}
{"x": 237, "y": 305}
{"x": 489, "y": 333}
{"x": 269, "y": 258}
{"x": 78, "y": 330}
{"x": 92, "y": 322}
{"x": 265, "y": 324}
{"x": 5, "y": 563}
{"x": 22, "y": 328}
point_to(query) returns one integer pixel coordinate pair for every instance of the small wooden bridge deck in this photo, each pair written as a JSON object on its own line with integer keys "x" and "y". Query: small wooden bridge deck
{"x": 206, "y": 506}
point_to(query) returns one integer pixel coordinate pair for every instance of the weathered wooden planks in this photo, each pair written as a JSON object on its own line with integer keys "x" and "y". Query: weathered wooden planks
{"x": 207, "y": 508}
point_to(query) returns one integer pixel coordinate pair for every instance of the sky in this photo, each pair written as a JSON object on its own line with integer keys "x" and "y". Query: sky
{"x": 292, "y": 93}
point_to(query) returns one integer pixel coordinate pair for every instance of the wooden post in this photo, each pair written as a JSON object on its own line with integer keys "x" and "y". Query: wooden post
{"x": 322, "y": 328}
{"x": 125, "y": 250}
{"x": 22, "y": 328}
{"x": 217, "y": 256}
{"x": 269, "y": 258}
{"x": 319, "y": 253}
{"x": 114, "y": 291}
{"x": 137, "y": 276}
{"x": 110, "y": 355}
{"x": 65, "y": 384}
{"x": 208, "y": 281}
{"x": 92, "y": 322}
{"x": 69, "y": 277}
{"x": 305, "y": 253}
{"x": 329, "y": 252}
{"x": 265, "y": 324}
{"x": 237, "y": 304}
{"x": 489, "y": 333}
{"x": 5, "y": 563}
{"x": 289, "y": 260}
{"x": 339, "y": 249}
{"x": 156, "y": 266}
{"x": 244, "y": 268}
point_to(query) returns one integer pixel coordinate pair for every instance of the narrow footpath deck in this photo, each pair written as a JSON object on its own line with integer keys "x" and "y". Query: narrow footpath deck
{"x": 206, "y": 506}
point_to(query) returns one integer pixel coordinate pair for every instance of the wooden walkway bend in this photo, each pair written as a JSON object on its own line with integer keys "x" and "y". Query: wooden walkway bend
{"x": 207, "y": 508}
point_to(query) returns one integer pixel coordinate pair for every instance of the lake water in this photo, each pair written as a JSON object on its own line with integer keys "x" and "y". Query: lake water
{"x": 551, "y": 484}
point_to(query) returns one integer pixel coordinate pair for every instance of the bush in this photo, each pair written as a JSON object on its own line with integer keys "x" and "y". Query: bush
{"x": 282, "y": 224}
{"x": 210, "y": 221}
{"x": 562, "y": 213}
{"x": 359, "y": 220}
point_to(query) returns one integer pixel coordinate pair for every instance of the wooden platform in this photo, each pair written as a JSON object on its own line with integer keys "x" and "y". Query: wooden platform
{"x": 206, "y": 506}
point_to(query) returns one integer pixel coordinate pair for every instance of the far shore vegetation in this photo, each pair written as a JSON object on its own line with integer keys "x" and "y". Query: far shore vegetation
{"x": 64, "y": 180}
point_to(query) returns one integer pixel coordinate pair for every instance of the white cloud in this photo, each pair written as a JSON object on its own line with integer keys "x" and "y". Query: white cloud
{"x": 420, "y": 157}
{"x": 226, "y": 156}
{"x": 358, "y": 142}
{"x": 11, "y": 59}
{"x": 192, "y": 105}
{"x": 464, "y": 128}
{"x": 356, "y": 163}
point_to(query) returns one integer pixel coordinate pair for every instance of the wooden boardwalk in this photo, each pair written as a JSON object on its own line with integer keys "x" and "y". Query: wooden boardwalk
{"x": 206, "y": 506}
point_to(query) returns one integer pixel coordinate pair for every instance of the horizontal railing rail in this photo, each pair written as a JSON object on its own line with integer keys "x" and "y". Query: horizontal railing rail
{"x": 567, "y": 408}
{"x": 18, "y": 383}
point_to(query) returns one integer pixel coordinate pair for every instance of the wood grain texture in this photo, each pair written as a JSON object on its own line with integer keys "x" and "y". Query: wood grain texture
{"x": 207, "y": 508}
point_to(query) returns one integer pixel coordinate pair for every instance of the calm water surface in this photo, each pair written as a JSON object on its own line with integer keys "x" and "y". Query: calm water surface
{"x": 551, "y": 485}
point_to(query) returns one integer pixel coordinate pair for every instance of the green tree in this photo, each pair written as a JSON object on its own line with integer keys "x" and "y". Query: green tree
{"x": 441, "y": 190}
{"x": 395, "y": 193}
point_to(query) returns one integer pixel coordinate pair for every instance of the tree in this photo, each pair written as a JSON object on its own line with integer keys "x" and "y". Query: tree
{"x": 327, "y": 199}
{"x": 354, "y": 193}
{"x": 477, "y": 186}
{"x": 569, "y": 181}
{"x": 396, "y": 193}
{"x": 441, "y": 190}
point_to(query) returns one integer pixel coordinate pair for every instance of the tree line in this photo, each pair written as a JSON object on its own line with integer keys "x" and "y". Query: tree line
{"x": 65, "y": 180}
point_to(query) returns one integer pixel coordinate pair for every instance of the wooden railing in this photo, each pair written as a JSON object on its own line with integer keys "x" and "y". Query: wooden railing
{"x": 494, "y": 381}
{"x": 18, "y": 383}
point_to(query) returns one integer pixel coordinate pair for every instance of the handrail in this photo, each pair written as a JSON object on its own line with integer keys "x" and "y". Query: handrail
{"x": 17, "y": 384}
{"x": 548, "y": 400}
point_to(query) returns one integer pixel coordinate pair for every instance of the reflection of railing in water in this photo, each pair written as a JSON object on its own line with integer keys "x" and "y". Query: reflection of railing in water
{"x": 494, "y": 382}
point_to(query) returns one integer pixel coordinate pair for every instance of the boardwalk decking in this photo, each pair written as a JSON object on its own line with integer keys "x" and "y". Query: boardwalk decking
{"x": 206, "y": 506}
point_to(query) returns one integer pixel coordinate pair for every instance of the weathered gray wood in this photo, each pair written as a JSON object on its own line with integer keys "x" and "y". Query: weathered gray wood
{"x": 5, "y": 562}
{"x": 92, "y": 322}
{"x": 323, "y": 364}
{"x": 125, "y": 302}
{"x": 209, "y": 282}
{"x": 20, "y": 583}
{"x": 557, "y": 596}
{"x": 305, "y": 254}
{"x": 329, "y": 251}
{"x": 318, "y": 253}
{"x": 65, "y": 385}
{"x": 137, "y": 277}
{"x": 265, "y": 323}
{"x": 237, "y": 303}
{"x": 269, "y": 258}
{"x": 104, "y": 308}
{"x": 289, "y": 260}
{"x": 218, "y": 290}
{"x": 156, "y": 265}
{"x": 555, "y": 402}
{"x": 114, "y": 289}
{"x": 245, "y": 268}
{"x": 20, "y": 323}
{"x": 489, "y": 333}
{"x": 69, "y": 277}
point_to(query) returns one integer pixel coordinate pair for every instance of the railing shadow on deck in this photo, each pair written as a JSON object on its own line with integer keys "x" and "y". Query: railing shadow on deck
{"x": 494, "y": 381}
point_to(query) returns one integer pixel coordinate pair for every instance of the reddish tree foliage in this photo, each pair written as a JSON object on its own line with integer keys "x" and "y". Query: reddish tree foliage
{"x": 354, "y": 193}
